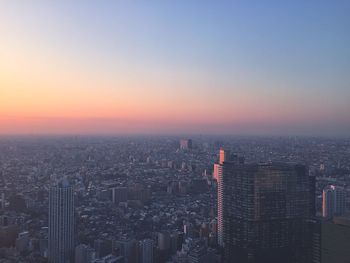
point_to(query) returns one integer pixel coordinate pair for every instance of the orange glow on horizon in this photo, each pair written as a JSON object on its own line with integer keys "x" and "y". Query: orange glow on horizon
{"x": 41, "y": 92}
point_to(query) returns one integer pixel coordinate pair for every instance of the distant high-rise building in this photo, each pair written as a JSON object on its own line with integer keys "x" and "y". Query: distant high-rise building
{"x": 218, "y": 177}
{"x": 8, "y": 235}
{"x": 333, "y": 201}
{"x": 164, "y": 245}
{"x": 2, "y": 201}
{"x": 265, "y": 207}
{"x": 217, "y": 171}
{"x": 84, "y": 254}
{"x": 224, "y": 155}
{"x": 147, "y": 247}
{"x": 174, "y": 242}
{"x": 61, "y": 223}
{"x": 103, "y": 247}
{"x": 188, "y": 229}
{"x": 119, "y": 194}
{"x": 322, "y": 167}
{"x": 220, "y": 212}
{"x": 22, "y": 242}
{"x": 198, "y": 254}
{"x": 129, "y": 249}
{"x": 185, "y": 144}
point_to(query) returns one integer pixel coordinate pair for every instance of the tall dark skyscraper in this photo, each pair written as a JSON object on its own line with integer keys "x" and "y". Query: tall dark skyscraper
{"x": 264, "y": 211}
{"x": 61, "y": 223}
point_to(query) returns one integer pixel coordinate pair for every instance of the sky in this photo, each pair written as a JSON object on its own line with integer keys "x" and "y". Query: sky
{"x": 175, "y": 67}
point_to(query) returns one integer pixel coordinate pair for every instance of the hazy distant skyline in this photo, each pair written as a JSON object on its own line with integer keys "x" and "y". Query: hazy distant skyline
{"x": 208, "y": 67}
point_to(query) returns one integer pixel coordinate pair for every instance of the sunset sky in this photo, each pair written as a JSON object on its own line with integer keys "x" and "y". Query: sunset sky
{"x": 175, "y": 67}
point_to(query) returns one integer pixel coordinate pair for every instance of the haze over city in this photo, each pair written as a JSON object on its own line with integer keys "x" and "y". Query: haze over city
{"x": 175, "y": 67}
{"x": 184, "y": 131}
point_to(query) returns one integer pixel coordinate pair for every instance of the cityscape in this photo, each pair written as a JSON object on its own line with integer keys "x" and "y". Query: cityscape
{"x": 168, "y": 199}
{"x": 174, "y": 131}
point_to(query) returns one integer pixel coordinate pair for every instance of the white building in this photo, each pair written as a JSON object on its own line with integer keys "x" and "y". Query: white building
{"x": 333, "y": 201}
{"x": 61, "y": 223}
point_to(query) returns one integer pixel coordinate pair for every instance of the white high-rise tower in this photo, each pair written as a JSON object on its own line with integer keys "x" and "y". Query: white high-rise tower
{"x": 333, "y": 201}
{"x": 61, "y": 223}
{"x": 223, "y": 156}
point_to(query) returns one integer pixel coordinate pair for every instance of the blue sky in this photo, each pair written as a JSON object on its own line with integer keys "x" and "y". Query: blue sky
{"x": 288, "y": 59}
